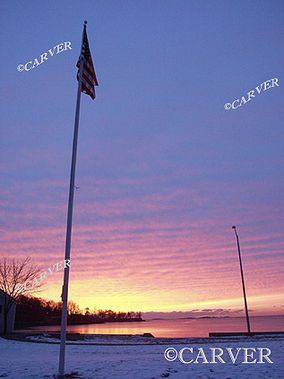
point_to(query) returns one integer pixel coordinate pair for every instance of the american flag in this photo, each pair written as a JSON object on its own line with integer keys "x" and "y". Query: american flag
{"x": 89, "y": 79}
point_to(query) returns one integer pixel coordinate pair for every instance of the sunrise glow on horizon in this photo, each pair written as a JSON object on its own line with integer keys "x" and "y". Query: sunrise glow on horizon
{"x": 163, "y": 169}
{"x": 150, "y": 265}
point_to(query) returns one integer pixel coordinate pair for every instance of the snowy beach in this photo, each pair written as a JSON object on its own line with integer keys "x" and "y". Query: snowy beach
{"x": 142, "y": 358}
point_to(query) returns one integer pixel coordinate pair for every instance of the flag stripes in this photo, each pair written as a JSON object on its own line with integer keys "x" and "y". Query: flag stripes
{"x": 89, "y": 79}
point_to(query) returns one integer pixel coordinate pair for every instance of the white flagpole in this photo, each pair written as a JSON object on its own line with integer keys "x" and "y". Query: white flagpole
{"x": 69, "y": 220}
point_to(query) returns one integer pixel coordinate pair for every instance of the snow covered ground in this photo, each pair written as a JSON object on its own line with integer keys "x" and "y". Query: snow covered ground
{"x": 140, "y": 361}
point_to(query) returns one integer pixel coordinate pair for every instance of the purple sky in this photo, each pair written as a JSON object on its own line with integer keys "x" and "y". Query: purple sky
{"x": 164, "y": 170}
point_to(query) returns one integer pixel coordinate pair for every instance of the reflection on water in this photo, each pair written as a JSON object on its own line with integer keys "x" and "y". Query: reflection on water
{"x": 177, "y": 328}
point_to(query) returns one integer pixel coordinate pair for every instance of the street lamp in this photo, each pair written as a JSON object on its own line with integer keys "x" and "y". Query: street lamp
{"x": 242, "y": 275}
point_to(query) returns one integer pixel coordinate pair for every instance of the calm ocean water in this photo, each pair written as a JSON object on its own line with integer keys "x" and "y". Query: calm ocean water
{"x": 178, "y": 327}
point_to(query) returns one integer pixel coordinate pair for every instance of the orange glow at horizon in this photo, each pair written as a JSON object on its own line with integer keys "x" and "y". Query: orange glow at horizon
{"x": 157, "y": 301}
{"x": 123, "y": 261}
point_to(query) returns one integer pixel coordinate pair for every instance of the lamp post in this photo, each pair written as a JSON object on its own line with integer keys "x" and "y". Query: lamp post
{"x": 242, "y": 275}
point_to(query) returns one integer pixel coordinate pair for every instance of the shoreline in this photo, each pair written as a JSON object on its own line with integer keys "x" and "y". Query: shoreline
{"x": 135, "y": 339}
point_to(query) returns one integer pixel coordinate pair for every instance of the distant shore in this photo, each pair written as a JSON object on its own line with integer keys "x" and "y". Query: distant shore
{"x": 174, "y": 328}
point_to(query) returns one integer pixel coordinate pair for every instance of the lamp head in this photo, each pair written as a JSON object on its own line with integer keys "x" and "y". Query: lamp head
{"x": 234, "y": 227}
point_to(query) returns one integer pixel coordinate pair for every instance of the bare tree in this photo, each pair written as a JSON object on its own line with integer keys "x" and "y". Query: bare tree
{"x": 73, "y": 308}
{"x": 13, "y": 275}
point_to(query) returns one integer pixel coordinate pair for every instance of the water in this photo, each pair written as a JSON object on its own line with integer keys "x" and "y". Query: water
{"x": 178, "y": 327}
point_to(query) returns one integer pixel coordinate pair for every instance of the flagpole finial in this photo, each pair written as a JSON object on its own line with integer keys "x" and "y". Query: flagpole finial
{"x": 85, "y": 22}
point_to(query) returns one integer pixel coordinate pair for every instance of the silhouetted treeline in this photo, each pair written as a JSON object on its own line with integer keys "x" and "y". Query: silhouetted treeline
{"x": 32, "y": 311}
